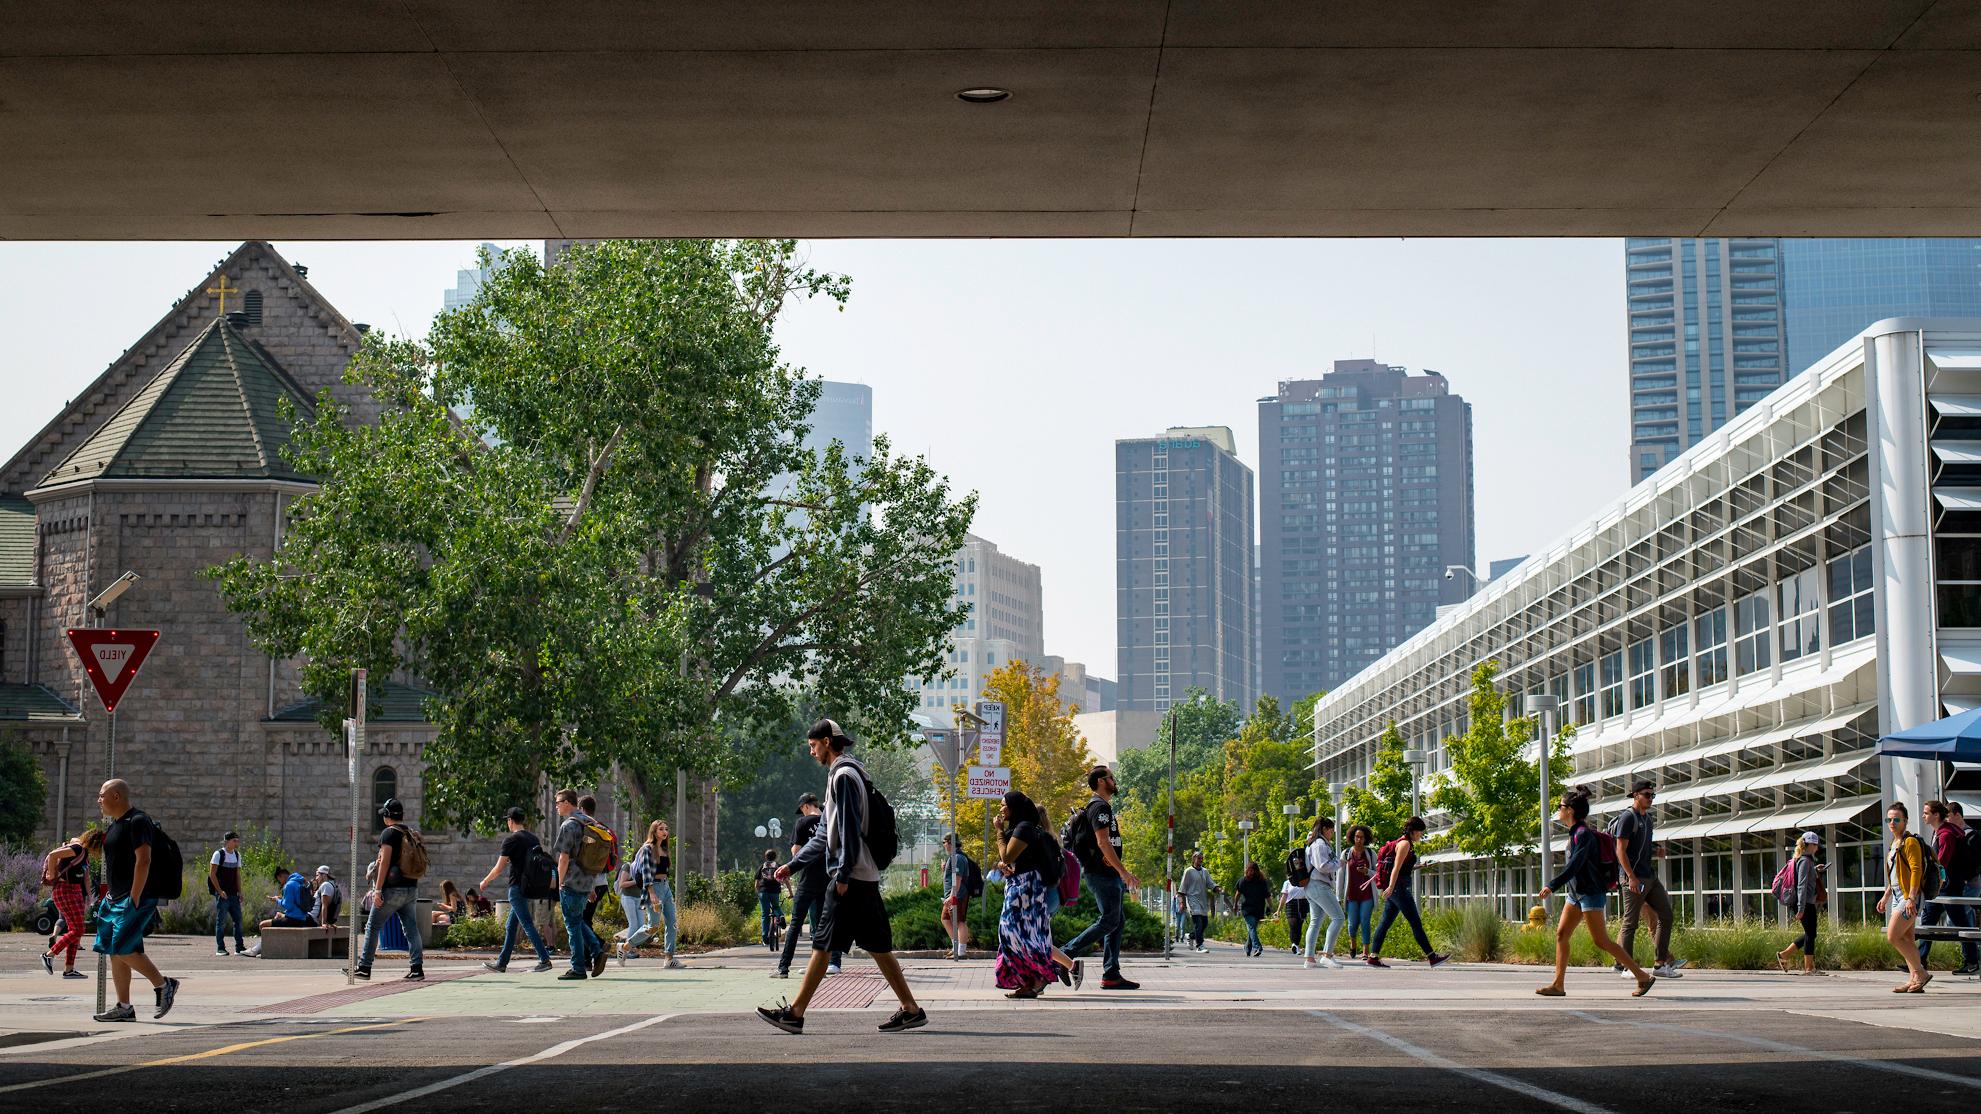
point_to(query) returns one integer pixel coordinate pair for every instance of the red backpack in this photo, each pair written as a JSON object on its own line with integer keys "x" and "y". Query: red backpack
{"x": 1069, "y": 876}
{"x": 1385, "y": 864}
{"x": 1611, "y": 870}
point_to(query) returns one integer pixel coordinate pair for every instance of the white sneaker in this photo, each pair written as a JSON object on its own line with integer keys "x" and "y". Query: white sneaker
{"x": 1309, "y": 965}
{"x": 620, "y": 955}
{"x": 832, "y": 969}
{"x": 675, "y": 963}
{"x": 1331, "y": 963}
{"x": 1625, "y": 974}
{"x": 1667, "y": 971}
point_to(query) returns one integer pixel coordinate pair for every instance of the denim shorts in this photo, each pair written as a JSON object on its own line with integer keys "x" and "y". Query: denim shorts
{"x": 1590, "y": 904}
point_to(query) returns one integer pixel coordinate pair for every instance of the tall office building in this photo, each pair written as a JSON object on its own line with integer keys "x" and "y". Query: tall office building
{"x": 467, "y": 283}
{"x": 1183, "y": 569}
{"x": 1834, "y": 289}
{"x": 1366, "y": 498}
{"x": 845, "y": 413}
{"x": 1006, "y": 623}
{"x": 1717, "y": 324}
{"x": 1707, "y": 338}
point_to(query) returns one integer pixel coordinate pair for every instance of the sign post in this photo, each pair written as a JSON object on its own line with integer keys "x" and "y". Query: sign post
{"x": 354, "y": 730}
{"x": 990, "y": 751}
{"x": 947, "y": 746}
{"x": 111, "y": 660}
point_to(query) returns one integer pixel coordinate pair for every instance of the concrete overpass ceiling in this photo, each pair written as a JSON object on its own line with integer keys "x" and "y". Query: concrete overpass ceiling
{"x": 444, "y": 118}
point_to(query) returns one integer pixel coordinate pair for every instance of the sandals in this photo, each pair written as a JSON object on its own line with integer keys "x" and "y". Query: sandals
{"x": 1920, "y": 986}
{"x": 1551, "y": 992}
{"x": 1783, "y": 964}
{"x": 1644, "y": 986}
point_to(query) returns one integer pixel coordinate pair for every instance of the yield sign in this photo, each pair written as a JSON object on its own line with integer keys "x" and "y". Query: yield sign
{"x": 111, "y": 658}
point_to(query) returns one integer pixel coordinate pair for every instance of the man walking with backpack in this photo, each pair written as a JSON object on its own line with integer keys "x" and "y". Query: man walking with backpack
{"x": 1196, "y": 888}
{"x": 1094, "y": 835}
{"x": 583, "y": 854}
{"x": 1641, "y": 884}
{"x": 137, "y": 857}
{"x": 957, "y": 870}
{"x": 223, "y": 881}
{"x": 401, "y": 863}
{"x": 1951, "y": 852}
{"x": 810, "y": 895}
{"x": 518, "y": 849}
{"x": 853, "y": 911}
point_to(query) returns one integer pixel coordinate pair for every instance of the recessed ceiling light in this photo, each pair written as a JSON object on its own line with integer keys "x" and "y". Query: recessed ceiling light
{"x": 984, "y": 95}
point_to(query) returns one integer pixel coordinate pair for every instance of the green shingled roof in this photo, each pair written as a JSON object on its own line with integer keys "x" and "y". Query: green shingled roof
{"x": 390, "y": 702}
{"x": 16, "y": 542}
{"x": 34, "y": 704}
{"x": 213, "y": 413}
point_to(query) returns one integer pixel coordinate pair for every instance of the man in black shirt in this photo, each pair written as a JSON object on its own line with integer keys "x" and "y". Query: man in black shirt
{"x": 125, "y": 912}
{"x": 513, "y": 860}
{"x": 1099, "y": 852}
{"x": 810, "y": 893}
{"x": 1641, "y": 885}
{"x": 398, "y": 895}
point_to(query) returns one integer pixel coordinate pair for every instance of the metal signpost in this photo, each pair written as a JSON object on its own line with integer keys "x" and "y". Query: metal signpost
{"x": 111, "y": 659}
{"x": 1544, "y": 707}
{"x": 947, "y": 746}
{"x": 1169, "y": 851}
{"x": 354, "y": 729}
{"x": 990, "y": 750}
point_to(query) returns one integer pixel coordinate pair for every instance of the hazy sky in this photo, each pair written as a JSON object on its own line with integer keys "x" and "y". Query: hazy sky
{"x": 1014, "y": 364}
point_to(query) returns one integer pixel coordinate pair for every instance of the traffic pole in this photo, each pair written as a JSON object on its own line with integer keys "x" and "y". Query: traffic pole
{"x": 1169, "y": 850}
{"x": 103, "y": 961}
{"x": 355, "y": 745}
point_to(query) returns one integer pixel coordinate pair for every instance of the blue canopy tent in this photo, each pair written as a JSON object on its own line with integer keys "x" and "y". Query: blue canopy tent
{"x": 1956, "y": 738}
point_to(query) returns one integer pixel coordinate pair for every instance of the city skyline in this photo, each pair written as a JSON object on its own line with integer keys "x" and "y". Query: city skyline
{"x": 1014, "y": 365}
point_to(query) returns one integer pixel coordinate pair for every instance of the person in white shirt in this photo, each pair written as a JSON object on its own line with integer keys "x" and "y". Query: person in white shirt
{"x": 1323, "y": 904}
{"x": 1293, "y": 900}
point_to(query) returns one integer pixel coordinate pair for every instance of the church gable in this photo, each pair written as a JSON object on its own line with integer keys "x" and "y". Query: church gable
{"x": 214, "y": 413}
{"x": 302, "y": 332}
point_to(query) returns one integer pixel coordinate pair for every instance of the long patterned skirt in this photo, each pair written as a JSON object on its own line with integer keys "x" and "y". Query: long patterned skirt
{"x": 1024, "y": 935}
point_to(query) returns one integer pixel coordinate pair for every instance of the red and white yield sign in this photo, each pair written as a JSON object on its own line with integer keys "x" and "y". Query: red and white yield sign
{"x": 111, "y": 658}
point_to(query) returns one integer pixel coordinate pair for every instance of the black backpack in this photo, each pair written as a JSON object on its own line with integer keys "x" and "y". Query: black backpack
{"x": 1297, "y": 870}
{"x": 539, "y": 875}
{"x": 972, "y": 881}
{"x": 1077, "y": 836}
{"x": 1929, "y": 882}
{"x": 883, "y": 838}
{"x": 1967, "y": 855}
{"x": 167, "y": 878}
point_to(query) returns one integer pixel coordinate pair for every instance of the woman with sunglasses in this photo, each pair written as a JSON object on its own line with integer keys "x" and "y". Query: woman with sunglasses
{"x": 1905, "y": 877}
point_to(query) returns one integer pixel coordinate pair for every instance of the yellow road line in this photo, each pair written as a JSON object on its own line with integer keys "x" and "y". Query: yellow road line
{"x": 209, "y": 1054}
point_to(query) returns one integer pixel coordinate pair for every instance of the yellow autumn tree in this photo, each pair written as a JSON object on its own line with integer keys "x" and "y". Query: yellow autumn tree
{"x": 1048, "y": 756}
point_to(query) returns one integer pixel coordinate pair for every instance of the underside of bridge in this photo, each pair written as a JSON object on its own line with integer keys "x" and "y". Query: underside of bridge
{"x": 523, "y": 119}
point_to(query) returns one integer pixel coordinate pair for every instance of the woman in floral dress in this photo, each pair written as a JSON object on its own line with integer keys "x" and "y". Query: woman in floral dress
{"x": 1024, "y": 928}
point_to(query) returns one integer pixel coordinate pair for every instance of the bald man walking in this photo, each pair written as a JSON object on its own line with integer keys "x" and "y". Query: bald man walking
{"x": 126, "y": 912}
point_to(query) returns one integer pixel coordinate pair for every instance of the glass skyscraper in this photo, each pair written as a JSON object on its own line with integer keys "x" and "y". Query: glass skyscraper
{"x": 1836, "y": 288}
{"x": 1716, "y": 324}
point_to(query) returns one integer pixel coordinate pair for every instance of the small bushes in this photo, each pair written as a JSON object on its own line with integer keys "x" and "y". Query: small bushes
{"x": 480, "y": 932}
{"x": 916, "y": 918}
{"x": 1477, "y": 937}
{"x": 20, "y": 889}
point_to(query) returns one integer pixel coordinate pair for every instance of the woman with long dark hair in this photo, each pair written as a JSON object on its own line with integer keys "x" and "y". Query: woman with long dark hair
{"x": 1026, "y": 959}
{"x": 1587, "y": 893}
{"x": 1358, "y": 875}
{"x": 1253, "y": 890}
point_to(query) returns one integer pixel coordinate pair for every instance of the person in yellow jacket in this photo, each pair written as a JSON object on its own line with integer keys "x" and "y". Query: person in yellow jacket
{"x": 1905, "y": 878}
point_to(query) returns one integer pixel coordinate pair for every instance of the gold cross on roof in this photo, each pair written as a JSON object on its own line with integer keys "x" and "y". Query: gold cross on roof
{"x": 223, "y": 290}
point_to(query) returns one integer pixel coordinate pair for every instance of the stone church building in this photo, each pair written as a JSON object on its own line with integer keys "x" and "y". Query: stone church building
{"x": 168, "y": 463}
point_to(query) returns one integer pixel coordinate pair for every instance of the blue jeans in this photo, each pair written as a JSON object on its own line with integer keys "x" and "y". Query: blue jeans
{"x": 639, "y": 922}
{"x": 402, "y": 902}
{"x": 1252, "y": 935}
{"x": 1360, "y": 913}
{"x": 225, "y": 907}
{"x": 1323, "y": 907}
{"x": 770, "y": 905}
{"x": 1404, "y": 902}
{"x": 584, "y": 942}
{"x": 1106, "y": 929}
{"x": 1961, "y": 915}
{"x": 663, "y": 896}
{"x": 519, "y": 914}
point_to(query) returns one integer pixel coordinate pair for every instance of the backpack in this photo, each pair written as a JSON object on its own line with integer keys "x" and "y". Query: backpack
{"x": 1297, "y": 871}
{"x": 1929, "y": 885}
{"x": 1608, "y": 869}
{"x": 539, "y": 875}
{"x": 595, "y": 847}
{"x": 333, "y": 904}
{"x": 1069, "y": 877}
{"x": 166, "y": 881}
{"x": 972, "y": 880}
{"x": 1783, "y": 887}
{"x": 412, "y": 854}
{"x": 1077, "y": 836}
{"x": 1052, "y": 859}
{"x": 882, "y": 837}
{"x": 1969, "y": 853}
{"x": 1385, "y": 864}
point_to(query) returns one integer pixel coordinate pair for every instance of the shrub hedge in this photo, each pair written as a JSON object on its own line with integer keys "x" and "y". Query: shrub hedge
{"x": 917, "y": 919}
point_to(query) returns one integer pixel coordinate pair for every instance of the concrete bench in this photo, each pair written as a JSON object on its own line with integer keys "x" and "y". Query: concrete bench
{"x": 305, "y": 943}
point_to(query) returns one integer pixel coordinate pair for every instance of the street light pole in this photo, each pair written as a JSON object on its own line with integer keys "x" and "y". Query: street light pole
{"x": 1546, "y": 707}
{"x": 1416, "y": 759}
{"x": 1246, "y": 826}
{"x": 1291, "y": 812}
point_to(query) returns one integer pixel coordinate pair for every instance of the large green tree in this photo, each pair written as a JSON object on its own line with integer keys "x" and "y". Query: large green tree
{"x": 23, "y": 793}
{"x": 1385, "y": 804}
{"x": 625, "y": 558}
{"x": 1492, "y": 789}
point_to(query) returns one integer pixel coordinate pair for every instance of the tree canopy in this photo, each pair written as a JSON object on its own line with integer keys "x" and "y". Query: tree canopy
{"x": 1492, "y": 788}
{"x": 585, "y": 517}
{"x": 1385, "y": 804}
{"x": 1047, "y": 755}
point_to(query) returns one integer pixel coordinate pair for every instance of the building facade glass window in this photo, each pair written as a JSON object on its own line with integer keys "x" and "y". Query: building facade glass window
{"x": 1750, "y": 634}
{"x": 1712, "y": 656}
{"x": 1675, "y": 672}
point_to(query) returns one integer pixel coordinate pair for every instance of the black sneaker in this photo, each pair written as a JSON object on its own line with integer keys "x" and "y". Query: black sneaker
{"x": 120, "y": 1012}
{"x": 573, "y": 975}
{"x": 1966, "y": 970}
{"x": 542, "y": 966}
{"x": 598, "y": 963}
{"x": 415, "y": 975}
{"x": 904, "y": 1020}
{"x": 784, "y": 1019}
{"x": 1079, "y": 972}
{"x": 72, "y": 973}
{"x": 362, "y": 973}
{"x": 165, "y": 994}
{"x": 1119, "y": 983}
{"x": 48, "y": 963}
{"x": 1437, "y": 960}
{"x": 495, "y": 967}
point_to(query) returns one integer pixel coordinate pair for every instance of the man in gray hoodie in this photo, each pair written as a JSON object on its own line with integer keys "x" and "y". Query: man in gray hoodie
{"x": 853, "y": 911}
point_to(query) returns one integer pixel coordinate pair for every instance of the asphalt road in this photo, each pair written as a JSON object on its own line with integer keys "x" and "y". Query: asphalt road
{"x": 1252, "y": 1060}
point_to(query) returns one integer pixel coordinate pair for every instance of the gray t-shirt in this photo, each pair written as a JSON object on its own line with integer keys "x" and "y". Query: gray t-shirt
{"x": 570, "y": 836}
{"x": 1196, "y": 890}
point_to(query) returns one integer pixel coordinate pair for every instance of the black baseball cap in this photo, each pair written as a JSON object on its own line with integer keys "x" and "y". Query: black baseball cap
{"x": 517, "y": 814}
{"x": 392, "y": 809}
